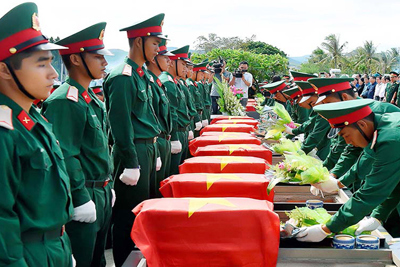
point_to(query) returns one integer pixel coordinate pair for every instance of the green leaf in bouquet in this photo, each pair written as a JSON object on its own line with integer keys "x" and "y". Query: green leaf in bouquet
{"x": 315, "y": 174}
{"x": 280, "y": 110}
{"x": 274, "y": 182}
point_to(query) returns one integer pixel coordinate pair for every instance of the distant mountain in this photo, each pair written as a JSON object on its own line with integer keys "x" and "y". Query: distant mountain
{"x": 296, "y": 61}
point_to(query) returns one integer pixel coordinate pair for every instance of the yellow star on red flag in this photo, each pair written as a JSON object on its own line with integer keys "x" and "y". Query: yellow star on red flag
{"x": 233, "y": 148}
{"x": 197, "y": 203}
{"x": 213, "y": 177}
{"x": 225, "y": 160}
{"x": 225, "y": 135}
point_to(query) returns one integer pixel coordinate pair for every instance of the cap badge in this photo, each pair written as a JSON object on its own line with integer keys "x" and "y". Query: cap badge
{"x": 35, "y": 22}
{"x": 101, "y": 37}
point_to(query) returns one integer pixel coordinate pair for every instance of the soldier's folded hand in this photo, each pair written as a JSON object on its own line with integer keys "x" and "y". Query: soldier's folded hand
{"x": 198, "y": 126}
{"x": 329, "y": 186}
{"x": 85, "y": 213}
{"x": 368, "y": 224}
{"x": 204, "y": 123}
{"x": 176, "y": 147}
{"x": 158, "y": 164}
{"x": 130, "y": 176}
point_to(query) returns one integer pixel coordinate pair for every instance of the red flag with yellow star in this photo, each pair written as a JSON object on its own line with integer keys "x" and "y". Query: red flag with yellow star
{"x": 219, "y": 118}
{"x": 245, "y": 150}
{"x": 224, "y": 164}
{"x": 217, "y": 185}
{"x": 229, "y": 134}
{"x": 253, "y": 122}
{"x": 238, "y": 128}
{"x": 225, "y": 138}
{"x": 207, "y": 232}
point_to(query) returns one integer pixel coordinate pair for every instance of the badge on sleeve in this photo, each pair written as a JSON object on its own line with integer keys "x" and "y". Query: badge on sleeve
{"x": 72, "y": 93}
{"x": 6, "y": 117}
{"x": 127, "y": 71}
{"x": 170, "y": 79}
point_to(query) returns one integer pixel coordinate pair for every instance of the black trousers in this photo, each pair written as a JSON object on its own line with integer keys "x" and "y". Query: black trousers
{"x": 214, "y": 105}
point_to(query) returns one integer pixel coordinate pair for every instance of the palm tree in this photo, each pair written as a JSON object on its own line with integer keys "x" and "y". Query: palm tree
{"x": 367, "y": 55}
{"x": 334, "y": 50}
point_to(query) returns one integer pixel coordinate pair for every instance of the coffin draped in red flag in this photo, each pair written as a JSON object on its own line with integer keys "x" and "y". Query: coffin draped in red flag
{"x": 217, "y": 185}
{"x": 200, "y": 232}
{"x": 245, "y": 150}
{"x": 224, "y": 164}
{"x": 253, "y": 122}
{"x": 245, "y": 128}
{"x": 231, "y": 118}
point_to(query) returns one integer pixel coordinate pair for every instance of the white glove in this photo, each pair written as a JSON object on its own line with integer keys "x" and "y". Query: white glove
{"x": 313, "y": 153}
{"x": 85, "y": 213}
{"x": 329, "y": 186}
{"x": 73, "y": 261}
{"x": 158, "y": 164}
{"x": 204, "y": 123}
{"x": 198, "y": 126}
{"x": 176, "y": 147}
{"x": 312, "y": 234}
{"x": 315, "y": 191}
{"x": 191, "y": 135}
{"x": 369, "y": 224}
{"x": 113, "y": 198}
{"x": 130, "y": 176}
{"x": 288, "y": 130}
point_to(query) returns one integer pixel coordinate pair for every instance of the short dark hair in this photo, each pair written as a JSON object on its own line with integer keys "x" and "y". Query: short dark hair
{"x": 350, "y": 92}
{"x": 131, "y": 40}
{"x": 387, "y": 78}
{"x": 370, "y": 117}
{"x": 276, "y": 78}
{"x": 244, "y": 63}
{"x": 16, "y": 60}
{"x": 67, "y": 61}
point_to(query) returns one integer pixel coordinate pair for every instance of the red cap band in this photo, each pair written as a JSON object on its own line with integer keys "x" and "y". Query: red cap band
{"x": 97, "y": 90}
{"x": 178, "y": 56}
{"x": 337, "y": 87}
{"x": 350, "y": 118}
{"x": 199, "y": 68}
{"x": 296, "y": 94}
{"x": 144, "y": 31}
{"x": 280, "y": 87}
{"x": 76, "y": 47}
{"x": 302, "y": 79}
{"x": 17, "y": 39}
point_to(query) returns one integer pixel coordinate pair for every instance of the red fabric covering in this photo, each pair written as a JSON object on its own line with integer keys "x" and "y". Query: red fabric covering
{"x": 253, "y": 123}
{"x": 204, "y": 232}
{"x": 228, "y": 128}
{"x": 242, "y": 150}
{"x": 219, "y": 140}
{"x": 251, "y": 105}
{"x": 231, "y": 118}
{"x": 228, "y": 134}
{"x": 250, "y": 108}
{"x": 224, "y": 164}
{"x": 217, "y": 185}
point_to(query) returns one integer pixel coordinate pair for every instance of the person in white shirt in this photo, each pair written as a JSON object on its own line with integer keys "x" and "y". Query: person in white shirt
{"x": 243, "y": 82}
{"x": 380, "y": 89}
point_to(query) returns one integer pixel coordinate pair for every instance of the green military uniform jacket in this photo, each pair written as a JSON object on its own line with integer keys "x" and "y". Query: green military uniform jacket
{"x": 161, "y": 104}
{"x": 127, "y": 91}
{"x": 306, "y": 126}
{"x": 317, "y": 138}
{"x": 381, "y": 187}
{"x": 299, "y": 114}
{"x": 80, "y": 123}
{"x": 206, "y": 94}
{"x": 194, "y": 116}
{"x": 350, "y": 154}
{"x": 179, "y": 110}
{"x": 35, "y": 188}
{"x": 200, "y": 89}
{"x": 197, "y": 98}
{"x": 391, "y": 88}
{"x": 338, "y": 144}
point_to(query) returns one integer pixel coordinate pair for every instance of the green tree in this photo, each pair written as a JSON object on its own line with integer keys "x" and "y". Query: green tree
{"x": 261, "y": 66}
{"x": 367, "y": 56}
{"x": 213, "y": 41}
{"x": 334, "y": 50}
{"x": 262, "y": 48}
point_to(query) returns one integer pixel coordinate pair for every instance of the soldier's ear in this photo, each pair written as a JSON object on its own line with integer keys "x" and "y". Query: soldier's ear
{"x": 75, "y": 59}
{"x": 363, "y": 124}
{"x": 5, "y": 72}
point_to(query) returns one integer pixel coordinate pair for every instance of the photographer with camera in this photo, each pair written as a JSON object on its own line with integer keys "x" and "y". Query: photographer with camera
{"x": 242, "y": 79}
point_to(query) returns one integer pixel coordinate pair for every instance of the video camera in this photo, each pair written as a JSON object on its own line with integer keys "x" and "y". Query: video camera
{"x": 218, "y": 64}
{"x": 239, "y": 73}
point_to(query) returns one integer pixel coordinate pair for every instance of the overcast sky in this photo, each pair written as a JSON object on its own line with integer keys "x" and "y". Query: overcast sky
{"x": 296, "y": 27}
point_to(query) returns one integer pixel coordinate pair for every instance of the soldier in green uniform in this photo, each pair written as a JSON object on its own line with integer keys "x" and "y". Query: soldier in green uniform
{"x": 80, "y": 123}
{"x": 36, "y": 201}
{"x": 179, "y": 110}
{"x": 275, "y": 90}
{"x": 334, "y": 90}
{"x": 162, "y": 110}
{"x": 392, "y": 88}
{"x": 134, "y": 129}
{"x": 207, "y": 95}
{"x": 299, "y": 114}
{"x": 183, "y": 54}
{"x": 379, "y": 137}
{"x": 317, "y": 128}
{"x": 196, "y": 98}
{"x": 198, "y": 77}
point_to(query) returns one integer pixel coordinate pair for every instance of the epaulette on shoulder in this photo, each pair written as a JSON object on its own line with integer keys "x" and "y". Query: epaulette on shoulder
{"x": 6, "y": 117}
{"x": 127, "y": 70}
{"x": 73, "y": 94}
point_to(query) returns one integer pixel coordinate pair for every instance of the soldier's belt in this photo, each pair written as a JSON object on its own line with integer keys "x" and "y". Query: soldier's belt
{"x": 30, "y": 237}
{"x": 182, "y": 129}
{"x": 164, "y": 136}
{"x": 145, "y": 140}
{"x": 97, "y": 184}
